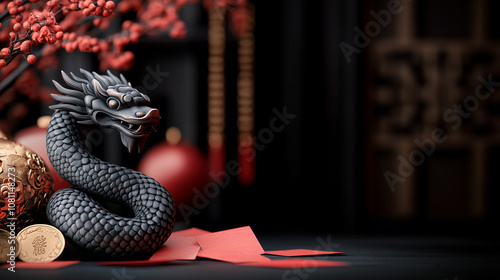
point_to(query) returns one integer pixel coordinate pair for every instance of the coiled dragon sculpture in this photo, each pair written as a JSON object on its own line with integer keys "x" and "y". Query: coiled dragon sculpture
{"x": 108, "y": 101}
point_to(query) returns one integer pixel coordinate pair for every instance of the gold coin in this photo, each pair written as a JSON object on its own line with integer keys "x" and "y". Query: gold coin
{"x": 9, "y": 247}
{"x": 40, "y": 243}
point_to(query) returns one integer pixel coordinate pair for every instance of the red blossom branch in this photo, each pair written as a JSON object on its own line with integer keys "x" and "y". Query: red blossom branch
{"x": 37, "y": 29}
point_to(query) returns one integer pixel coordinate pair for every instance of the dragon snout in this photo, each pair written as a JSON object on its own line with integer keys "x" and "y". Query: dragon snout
{"x": 151, "y": 114}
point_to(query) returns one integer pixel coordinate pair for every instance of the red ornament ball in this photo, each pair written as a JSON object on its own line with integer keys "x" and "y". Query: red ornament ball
{"x": 181, "y": 168}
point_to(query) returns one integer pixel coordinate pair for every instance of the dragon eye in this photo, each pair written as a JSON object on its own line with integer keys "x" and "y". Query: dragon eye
{"x": 113, "y": 104}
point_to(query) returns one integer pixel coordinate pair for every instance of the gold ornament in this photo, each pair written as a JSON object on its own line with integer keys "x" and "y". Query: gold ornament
{"x": 25, "y": 186}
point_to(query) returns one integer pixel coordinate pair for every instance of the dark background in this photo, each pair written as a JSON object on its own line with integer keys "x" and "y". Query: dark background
{"x": 324, "y": 172}
{"x": 322, "y": 177}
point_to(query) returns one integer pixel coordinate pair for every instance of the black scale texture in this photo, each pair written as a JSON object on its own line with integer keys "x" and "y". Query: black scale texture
{"x": 79, "y": 217}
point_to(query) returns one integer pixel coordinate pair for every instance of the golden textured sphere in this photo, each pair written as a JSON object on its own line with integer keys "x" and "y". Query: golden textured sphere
{"x": 25, "y": 185}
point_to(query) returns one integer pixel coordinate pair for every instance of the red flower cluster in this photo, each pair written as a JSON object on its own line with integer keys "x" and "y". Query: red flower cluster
{"x": 90, "y": 8}
{"x": 64, "y": 24}
{"x": 42, "y": 28}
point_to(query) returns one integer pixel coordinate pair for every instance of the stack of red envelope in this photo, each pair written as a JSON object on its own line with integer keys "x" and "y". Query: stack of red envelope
{"x": 239, "y": 246}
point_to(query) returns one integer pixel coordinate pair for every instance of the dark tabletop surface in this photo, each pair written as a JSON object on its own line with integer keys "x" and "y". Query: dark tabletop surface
{"x": 371, "y": 257}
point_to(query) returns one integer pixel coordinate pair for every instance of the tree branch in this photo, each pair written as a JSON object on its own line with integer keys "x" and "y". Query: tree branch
{"x": 23, "y": 65}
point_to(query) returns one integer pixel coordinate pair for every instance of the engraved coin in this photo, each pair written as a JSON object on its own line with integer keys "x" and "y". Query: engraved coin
{"x": 6, "y": 246}
{"x": 40, "y": 243}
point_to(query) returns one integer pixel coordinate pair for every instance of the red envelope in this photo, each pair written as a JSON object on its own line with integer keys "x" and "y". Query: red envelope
{"x": 176, "y": 248}
{"x": 236, "y": 239}
{"x": 190, "y": 232}
{"x": 234, "y": 245}
{"x": 296, "y": 263}
{"x": 301, "y": 252}
{"x": 231, "y": 256}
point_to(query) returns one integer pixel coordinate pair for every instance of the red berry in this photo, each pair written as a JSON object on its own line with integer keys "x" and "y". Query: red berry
{"x": 101, "y": 3}
{"x": 59, "y": 35}
{"x": 31, "y": 59}
{"x": 92, "y": 7}
{"x": 13, "y": 11}
{"x": 12, "y": 36}
{"x": 51, "y": 40}
{"x": 18, "y": 18}
{"x": 45, "y": 30}
{"x": 86, "y": 12}
{"x": 134, "y": 37}
{"x": 5, "y": 52}
{"x": 26, "y": 25}
{"x": 18, "y": 2}
{"x": 16, "y": 27}
{"x": 35, "y": 27}
{"x": 97, "y": 21}
{"x": 26, "y": 46}
{"x": 2, "y": 63}
{"x": 83, "y": 46}
{"x": 104, "y": 46}
{"x": 110, "y": 5}
{"x": 69, "y": 48}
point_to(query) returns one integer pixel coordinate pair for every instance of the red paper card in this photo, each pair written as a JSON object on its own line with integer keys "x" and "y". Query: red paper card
{"x": 233, "y": 245}
{"x": 231, "y": 256}
{"x": 301, "y": 252}
{"x": 176, "y": 248}
{"x": 193, "y": 232}
{"x": 43, "y": 265}
{"x": 237, "y": 239}
{"x": 296, "y": 263}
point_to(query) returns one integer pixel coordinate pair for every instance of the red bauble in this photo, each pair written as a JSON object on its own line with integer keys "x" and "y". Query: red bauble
{"x": 181, "y": 168}
{"x": 34, "y": 138}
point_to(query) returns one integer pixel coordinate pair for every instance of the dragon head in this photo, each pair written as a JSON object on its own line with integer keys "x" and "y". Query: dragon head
{"x": 108, "y": 101}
